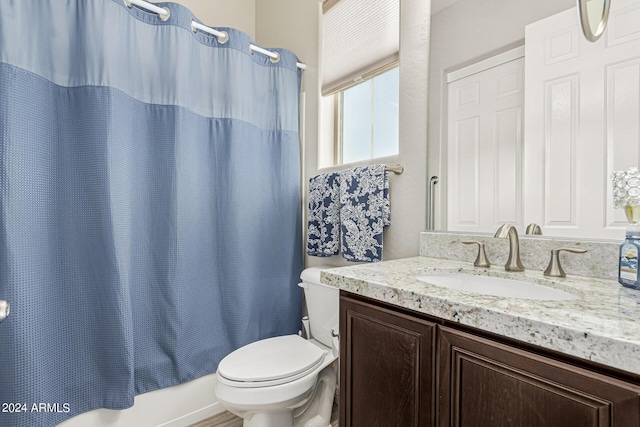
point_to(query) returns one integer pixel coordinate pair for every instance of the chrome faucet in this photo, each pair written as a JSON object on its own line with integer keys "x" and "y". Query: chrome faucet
{"x": 509, "y": 231}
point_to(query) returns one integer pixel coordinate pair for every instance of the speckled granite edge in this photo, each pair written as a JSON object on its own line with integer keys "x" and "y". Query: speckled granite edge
{"x": 603, "y": 325}
{"x": 601, "y": 260}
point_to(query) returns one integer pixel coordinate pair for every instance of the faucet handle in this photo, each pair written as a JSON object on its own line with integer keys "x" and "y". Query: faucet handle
{"x": 554, "y": 269}
{"x": 481, "y": 259}
{"x": 533, "y": 228}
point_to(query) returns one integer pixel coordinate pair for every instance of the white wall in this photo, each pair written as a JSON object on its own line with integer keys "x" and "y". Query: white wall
{"x": 407, "y": 191}
{"x": 461, "y": 34}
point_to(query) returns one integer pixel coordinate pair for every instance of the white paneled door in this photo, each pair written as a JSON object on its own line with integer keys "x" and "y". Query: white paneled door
{"x": 484, "y": 144}
{"x": 582, "y": 121}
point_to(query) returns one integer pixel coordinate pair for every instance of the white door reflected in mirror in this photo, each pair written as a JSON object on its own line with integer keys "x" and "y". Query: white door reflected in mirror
{"x": 593, "y": 17}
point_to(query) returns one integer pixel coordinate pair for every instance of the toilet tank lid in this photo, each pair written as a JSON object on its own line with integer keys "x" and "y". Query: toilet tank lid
{"x": 312, "y": 274}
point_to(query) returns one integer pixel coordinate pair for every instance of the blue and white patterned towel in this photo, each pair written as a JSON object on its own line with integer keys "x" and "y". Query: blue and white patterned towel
{"x": 323, "y": 231}
{"x": 364, "y": 212}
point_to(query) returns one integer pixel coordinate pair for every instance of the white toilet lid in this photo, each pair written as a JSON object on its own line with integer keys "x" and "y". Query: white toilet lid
{"x": 271, "y": 359}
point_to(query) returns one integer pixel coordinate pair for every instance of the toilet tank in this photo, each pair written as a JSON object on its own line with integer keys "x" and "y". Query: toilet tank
{"x": 322, "y": 305}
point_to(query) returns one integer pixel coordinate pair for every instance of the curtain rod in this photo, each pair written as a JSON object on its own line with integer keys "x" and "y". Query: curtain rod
{"x": 164, "y": 13}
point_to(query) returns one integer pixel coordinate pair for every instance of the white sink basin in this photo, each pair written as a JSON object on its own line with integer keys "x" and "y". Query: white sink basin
{"x": 496, "y": 286}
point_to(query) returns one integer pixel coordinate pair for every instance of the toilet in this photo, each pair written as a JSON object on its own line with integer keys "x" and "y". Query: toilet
{"x": 287, "y": 381}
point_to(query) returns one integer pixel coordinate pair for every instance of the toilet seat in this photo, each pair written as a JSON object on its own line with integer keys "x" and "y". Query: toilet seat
{"x": 270, "y": 362}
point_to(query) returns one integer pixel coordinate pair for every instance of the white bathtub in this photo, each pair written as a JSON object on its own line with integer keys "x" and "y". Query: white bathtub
{"x": 176, "y": 406}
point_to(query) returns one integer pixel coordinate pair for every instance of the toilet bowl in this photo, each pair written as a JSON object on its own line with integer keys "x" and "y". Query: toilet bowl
{"x": 287, "y": 381}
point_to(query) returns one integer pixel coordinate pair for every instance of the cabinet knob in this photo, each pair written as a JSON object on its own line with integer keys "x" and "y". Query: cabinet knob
{"x": 554, "y": 269}
{"x": 481, "y": 259}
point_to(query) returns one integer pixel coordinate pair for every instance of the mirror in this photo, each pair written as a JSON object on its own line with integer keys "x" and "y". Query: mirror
{"x": 467, "y": 32}
{"x": 593, "y": 17}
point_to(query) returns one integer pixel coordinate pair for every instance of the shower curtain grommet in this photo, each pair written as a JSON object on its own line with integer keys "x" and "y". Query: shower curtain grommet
{"x": 128, "y": 3}
{"x": 223, "y": 38}
{"x": 165, "y": 17}
{"x": 276, "y": 59}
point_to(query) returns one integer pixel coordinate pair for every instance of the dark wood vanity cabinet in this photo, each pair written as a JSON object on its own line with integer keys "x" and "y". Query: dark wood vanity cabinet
{"x": 387, "y": 367}
{"x": 487, "y": 383}
{"x": 388, "y": 377}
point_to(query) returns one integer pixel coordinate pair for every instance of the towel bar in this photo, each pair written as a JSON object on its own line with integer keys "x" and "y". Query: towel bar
{"x": 397, "y": 169}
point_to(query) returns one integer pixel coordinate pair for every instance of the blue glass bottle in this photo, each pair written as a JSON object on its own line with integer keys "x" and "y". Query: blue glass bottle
{"x": 629, "y": 250}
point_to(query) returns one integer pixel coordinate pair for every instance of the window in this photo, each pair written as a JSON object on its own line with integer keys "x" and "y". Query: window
{"x": 360, "y": 55}
{"x": 368, "y": 119}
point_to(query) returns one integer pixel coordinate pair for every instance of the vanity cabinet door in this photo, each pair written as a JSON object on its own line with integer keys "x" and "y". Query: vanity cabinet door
{"x": 386, "y": 367}
{"x": 485, "y": 383}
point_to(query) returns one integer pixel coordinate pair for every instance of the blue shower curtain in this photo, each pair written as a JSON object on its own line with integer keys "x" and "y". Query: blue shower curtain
{"x": 150, "y": 203}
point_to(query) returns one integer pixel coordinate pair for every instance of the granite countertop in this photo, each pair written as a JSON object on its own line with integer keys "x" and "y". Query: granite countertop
{"x": 602, "y": 325}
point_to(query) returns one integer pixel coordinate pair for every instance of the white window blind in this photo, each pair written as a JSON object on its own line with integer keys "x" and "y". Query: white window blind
{"x": 360, "y": 38}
